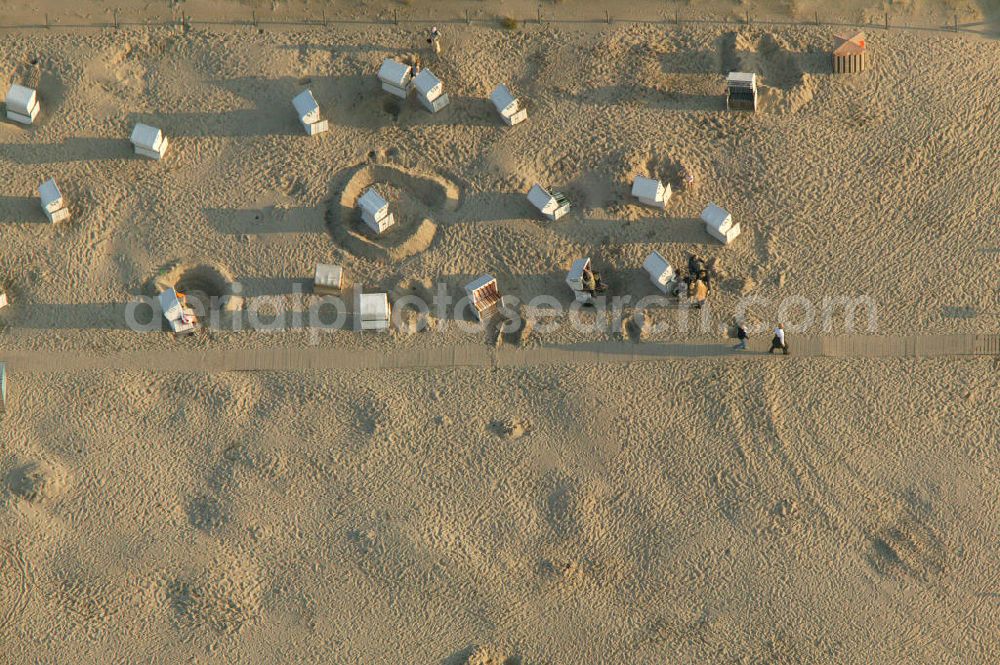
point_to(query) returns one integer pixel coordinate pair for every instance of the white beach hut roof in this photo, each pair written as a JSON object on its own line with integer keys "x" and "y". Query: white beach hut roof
{"x": 374, "y": 306}
{"x": 426, "y": 82}
{"x": 305, "y": 103}
{"x": 372, "y": 202}
{"x": 717, "y": 218}
{"x": 50, "y": 195}
{"x": 576, "y": 270}
{"x": 645, "y": 188}
{"x": 19, "y": 98}
{"x": 171, "y": 305}
{"x": 502, "y": 97}
{"x": 146, "y": 136}
{"x": 742, "y": 78}
{"x": 393, "y": 72}
{"x": 540, "y": 198}
{"x": 478, "y": 283}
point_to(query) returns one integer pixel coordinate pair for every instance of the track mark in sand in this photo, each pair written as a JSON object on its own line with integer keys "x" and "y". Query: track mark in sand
{"x": 565, "y": 505}
{"x": 16, "y": 580}
{"x": 87, "y": 602}
{"x": 909, "y": 546}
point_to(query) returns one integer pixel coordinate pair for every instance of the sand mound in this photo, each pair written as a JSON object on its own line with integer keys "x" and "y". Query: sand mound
{"x": 223, "y": 601}
{"x": 414, "y": 199}
{"x": 208, "y": 287}
{"x": 784, "y": 86}
{"x": 36, "y": 481}
{"x": 206, "y": 513}
{"x": 510, "y": 428}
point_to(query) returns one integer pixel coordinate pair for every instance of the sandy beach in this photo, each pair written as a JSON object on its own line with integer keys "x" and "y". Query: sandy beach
{"x": 700, "y": 506}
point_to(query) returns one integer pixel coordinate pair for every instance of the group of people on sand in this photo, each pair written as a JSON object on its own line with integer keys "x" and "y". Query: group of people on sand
{"x": 778, "y": 342}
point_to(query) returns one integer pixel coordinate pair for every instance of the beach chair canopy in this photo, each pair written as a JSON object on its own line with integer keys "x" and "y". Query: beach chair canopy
{"x": 540, "y": 198}
{"x": 394, "y": 73}
{"x": 646, "y": 188}
{"x": 575, "y": 275}
{"x": 503, "y": 99}
{"x": 20, "y": 99}
{"x": 374, "y": 307}
{"x": 50, "y": 195}
{"x": 427, "y": 84}
{"x": 146, "y": 137}
{"x": 306, "y": 106}
{"x": 372, "y": 203}
{"x": 741, "y": 80}
{"x": 171, "y": 305}
{"x": 717, "y": 218}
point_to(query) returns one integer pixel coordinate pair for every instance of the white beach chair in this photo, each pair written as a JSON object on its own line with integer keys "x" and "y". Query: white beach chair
{"x": 180, "y": 318}
{"x": 651, "y": 192}
{"x": 149, "y": 141}
{"x": 719, "y": 224}
{"x": 574, "y": 279}
{"x": 552, "y": 206}
{"x": 507, "y": 105}
{"x": 741, "y": 91}
{"x": 374, "y": 311}
{"x": 22, "y": 104}
{"x": 52, "y": 201}
{"x": 661, "y": 273}
{"x": 484, "y": 296}
{"x": 375, "y": 211}
{"x": 395, "y": 77}
{"x": 308, "y": 110}
{"x": 430, "y": 91}
{"x": 328, "y": 279}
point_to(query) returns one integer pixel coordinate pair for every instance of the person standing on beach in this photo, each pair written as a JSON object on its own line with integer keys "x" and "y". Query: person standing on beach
{"x": 434, "y": 39}
{"x": 779, "y": 340}
{"x": 741, "y": 334}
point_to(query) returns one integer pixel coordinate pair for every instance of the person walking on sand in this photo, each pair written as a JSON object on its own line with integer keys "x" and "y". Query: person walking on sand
{"x": 741, "y": 334}
{"x": 779, "y": 340}
{"x": 434, "y": 39}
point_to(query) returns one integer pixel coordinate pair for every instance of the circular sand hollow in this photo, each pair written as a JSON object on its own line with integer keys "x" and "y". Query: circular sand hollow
{"x": 414, "y": 200}
{"x": 36, "y": 481}
{"x": 206, "y": 287}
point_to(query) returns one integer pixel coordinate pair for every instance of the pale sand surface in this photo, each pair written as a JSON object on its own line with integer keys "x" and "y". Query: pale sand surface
{"x": 690, "y": 512}
{"x": 776, "y": 510}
